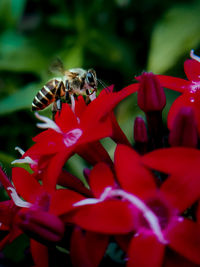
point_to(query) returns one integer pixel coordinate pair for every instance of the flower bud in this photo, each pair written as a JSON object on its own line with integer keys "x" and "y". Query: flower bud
{"x": 140, "y": 136}
{"x": 41, "y": 225}
{"x": 151, "y": 95}
{"x": 184, "y": 129}
{"x": 140, "y": 131}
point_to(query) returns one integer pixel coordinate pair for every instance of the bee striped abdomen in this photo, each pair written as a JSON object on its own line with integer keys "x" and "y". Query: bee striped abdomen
{"x": 45, "y": 96}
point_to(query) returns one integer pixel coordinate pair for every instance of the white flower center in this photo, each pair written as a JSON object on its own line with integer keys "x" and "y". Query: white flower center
{"x": 71, "y": 137}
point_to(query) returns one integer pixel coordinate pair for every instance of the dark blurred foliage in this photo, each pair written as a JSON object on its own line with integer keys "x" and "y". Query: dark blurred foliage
{"x": 118, "y": 38}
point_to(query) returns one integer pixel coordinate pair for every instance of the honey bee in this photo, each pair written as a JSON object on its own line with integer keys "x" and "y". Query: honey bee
{"x": 74, "y": 82}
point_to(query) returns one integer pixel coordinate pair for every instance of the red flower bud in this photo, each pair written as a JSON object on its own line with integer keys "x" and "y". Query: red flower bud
{"x": 184, "y": 129}
{"x": 41, "y": 225}
{"x": 140, "y": 131}
{"x": 151, "y": 95}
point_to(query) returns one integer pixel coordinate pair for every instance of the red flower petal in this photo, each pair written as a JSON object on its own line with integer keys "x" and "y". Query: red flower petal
{"x": 101, "y": 177}
{"x": 192, "y": 69}
{"x": 175, "y": 160}
{"x": 173, "y": 259}
{"x": 184, "y": 238}
{"x": 62, "y": 201}
{"x": 52, "y": 173}
{"x": 66, "y": 120}
{"x": 93, "y": 153}
{"x": 84, "y": 250}
{"x": 131, "y": 175}
{"x": 70, "y": 181}
{"x": 108, "y": 217}
{"x": 47, "y": 142}
{"x": 26, "y": 185}
{"x": 39, "y": 253}
{"x": 104, "y": 103}
{"x": 182, "y": 190}
{"x": 189, "y": 99}
{"x": 173, "y": 83}
{"x": 145, "y": 251}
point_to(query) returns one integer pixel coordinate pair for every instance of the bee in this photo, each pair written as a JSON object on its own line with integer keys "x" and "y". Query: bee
{"x": 73, "y": 82}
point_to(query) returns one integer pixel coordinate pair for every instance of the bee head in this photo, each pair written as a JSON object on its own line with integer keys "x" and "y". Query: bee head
{"x": 91, "y": 79}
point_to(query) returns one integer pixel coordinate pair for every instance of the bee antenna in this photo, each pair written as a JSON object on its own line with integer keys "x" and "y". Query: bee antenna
{"x": 107, "y": 90}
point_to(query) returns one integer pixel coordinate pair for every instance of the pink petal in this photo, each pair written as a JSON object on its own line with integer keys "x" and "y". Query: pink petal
{"x": 26, "y": 185}
{"x": 176, "y": 84}
{"x": 84, "y": 250}
{"x": 101, "y": 177}
{"x": 184, "y": 238}
{"x": 192, "y": 69}
{"x": 108, "y": 217}
{"x": 39, "y": 253}
{"x": 131, "y": 174}
{"x": 145, "y": 251}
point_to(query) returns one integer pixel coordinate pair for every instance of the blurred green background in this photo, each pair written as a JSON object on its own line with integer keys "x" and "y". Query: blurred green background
{"x": 118, "y": 38}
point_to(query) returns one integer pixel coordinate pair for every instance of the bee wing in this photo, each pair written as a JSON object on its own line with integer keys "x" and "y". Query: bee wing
{"x": 71, "y": 74}
{"x": 57, "y": 67}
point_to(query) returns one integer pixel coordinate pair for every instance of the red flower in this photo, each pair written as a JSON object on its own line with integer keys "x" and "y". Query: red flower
{"x": 134, "y": 204}
{"x": 74, "y": 132}
{"x": 36, "y": 215}
{"x": 189, "y": 88}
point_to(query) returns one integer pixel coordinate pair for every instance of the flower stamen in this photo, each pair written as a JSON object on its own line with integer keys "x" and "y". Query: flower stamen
{"x": 193, "y": 56}
{"x": 27, "y": 159}
{"x": 48, "y": 123}
{"x": 136, "y": 202}
{"x": 17, "y": 200}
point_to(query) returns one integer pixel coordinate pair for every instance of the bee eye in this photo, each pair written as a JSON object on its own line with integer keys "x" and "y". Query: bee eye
{"x": 90, "y": 77}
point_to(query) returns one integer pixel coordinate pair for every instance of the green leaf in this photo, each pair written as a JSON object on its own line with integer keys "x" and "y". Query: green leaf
{"x": 15, "y": 250}
{"x": 115, "y": 253}
{"x": 20, "y": 100}
{"x": 73, "y": 57}
{"x": 16, "y": 54}
{"x": 5, "y": 161}
{"x": 174, "y": 36}
{"x": 17, "y": 8}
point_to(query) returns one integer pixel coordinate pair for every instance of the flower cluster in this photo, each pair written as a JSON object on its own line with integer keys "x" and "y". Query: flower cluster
{"x": 141, "y": 208}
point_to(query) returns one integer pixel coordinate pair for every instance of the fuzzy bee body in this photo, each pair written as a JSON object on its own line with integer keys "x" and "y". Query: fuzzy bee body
{"x": 74, "y": 82}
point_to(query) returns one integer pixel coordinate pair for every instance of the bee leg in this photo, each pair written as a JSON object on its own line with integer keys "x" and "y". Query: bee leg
{"x": 58, "y": 105}
{"x": 54, "y": 110}
{"x": 67, "y": 95}
{"x": 72, "y": 102}
{"x": 67, "y": 98}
